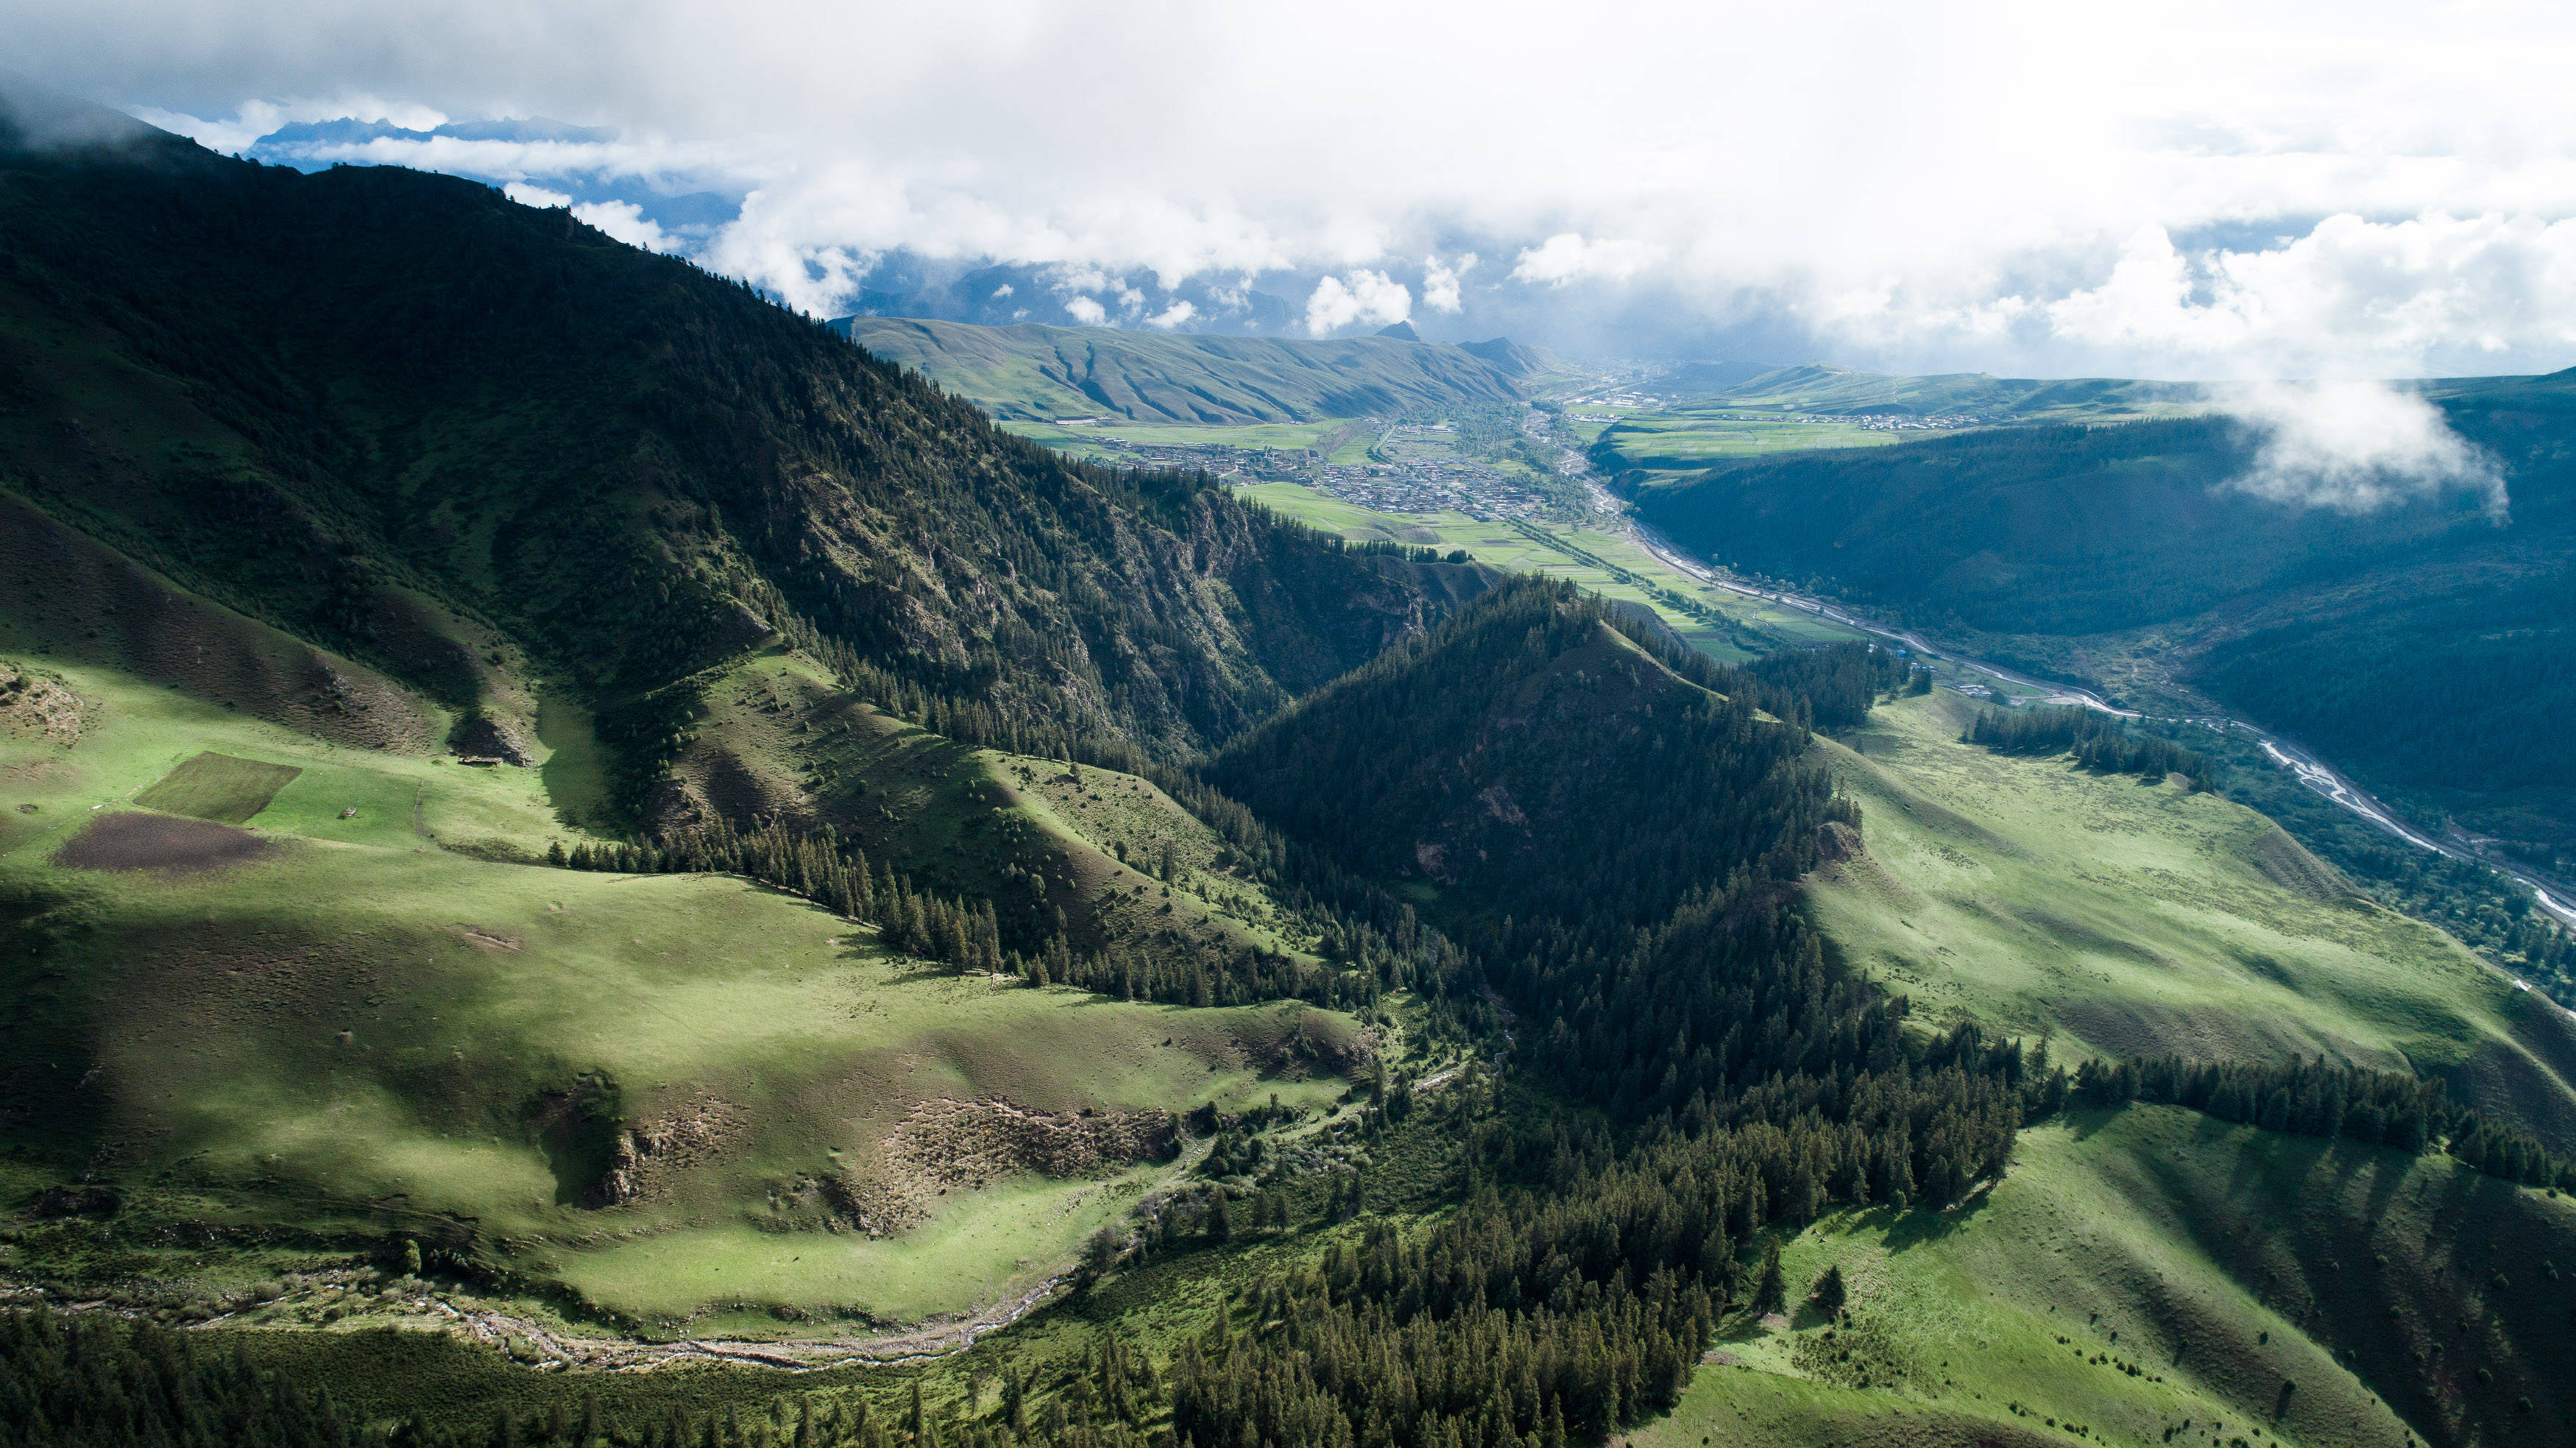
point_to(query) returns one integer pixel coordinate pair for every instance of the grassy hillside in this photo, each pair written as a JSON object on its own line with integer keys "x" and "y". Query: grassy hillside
{"x": 1799, "y": 409}
{"x": 2140, "y": 1272}
{"x": 1041, "y": 373}
{"x": 1833, "y": 391}
{"x": 1094, "y": 855}
{"x": 687, "y": 1098}
{"x": 2421, "y": 646}
{"x": 2125, "y": 919}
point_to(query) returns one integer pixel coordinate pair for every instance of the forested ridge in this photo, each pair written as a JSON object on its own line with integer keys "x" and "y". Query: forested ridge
{"x": 1541, "y": 754}
{"x": 1576, "y": 845}
{"x": 2423, "y": 645}
{"x": 391, "y": 384}
{"x": 2311, "y": 1098}
{"x": 1627, "y": 830}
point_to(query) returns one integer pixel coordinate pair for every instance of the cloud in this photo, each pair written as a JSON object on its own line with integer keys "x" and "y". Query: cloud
{"x": 257, "y": 117}
{"x": 1360, "y": 296}
{"x": 2350, "y": 294}
{"x": 1087, "y": 311}
{"x": 1567, "y": 257}
{"x": 625, "y": 221}
{"x": 1440, "y": 280}
{"x": 2358, "y": 447}
{"x": 536, "y": 196}
{"x": 1173, "y": 316}
{"x": 2381, "y": 188}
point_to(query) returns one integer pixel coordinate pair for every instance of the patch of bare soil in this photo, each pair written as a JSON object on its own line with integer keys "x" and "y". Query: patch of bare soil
{"x": 945, "y": 1146}
{"x": 171, "y": 844}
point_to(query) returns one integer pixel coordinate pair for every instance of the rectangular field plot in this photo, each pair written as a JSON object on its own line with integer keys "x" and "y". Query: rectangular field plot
{"x": 218, "y": 787}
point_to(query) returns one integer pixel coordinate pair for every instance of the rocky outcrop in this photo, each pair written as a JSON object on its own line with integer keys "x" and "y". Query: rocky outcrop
{"x": 945, "y": 1146}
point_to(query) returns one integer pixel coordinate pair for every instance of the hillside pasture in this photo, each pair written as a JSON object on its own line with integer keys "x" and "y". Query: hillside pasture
{"x": 643, "y": 1088}
{"x": 2116, "y": 916}
{"x": 218, "y": 787}
{"x": 2146, "y": 1270}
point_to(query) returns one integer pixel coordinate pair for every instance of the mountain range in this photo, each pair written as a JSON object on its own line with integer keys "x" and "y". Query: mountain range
{"x": 565, "y": 819}
{"x": 1039, "y": 373}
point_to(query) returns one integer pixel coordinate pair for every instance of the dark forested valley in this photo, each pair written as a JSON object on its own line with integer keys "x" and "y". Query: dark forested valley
{"x": 2422, "y": 645}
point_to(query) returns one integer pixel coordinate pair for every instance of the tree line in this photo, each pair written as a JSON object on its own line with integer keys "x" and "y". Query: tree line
{"x": 1834, "y": 683}
{"x": 2311, "y": 1098}
{"x": 2098, "y": 742}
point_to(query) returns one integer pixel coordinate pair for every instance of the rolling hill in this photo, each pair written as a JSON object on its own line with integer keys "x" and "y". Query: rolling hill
{"x": 1834, "y": 390}
{"x": 561, "y": 819}
{"x": 353, "y": 604}
{"x": 2422, "y": 646}
{"x": 2119, "y": 918}
{"x": 352, "y": 1012}
{"x": 1042, "y": 373}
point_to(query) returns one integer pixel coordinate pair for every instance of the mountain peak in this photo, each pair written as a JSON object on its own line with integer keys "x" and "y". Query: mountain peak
{"x": 1401, "y": 331}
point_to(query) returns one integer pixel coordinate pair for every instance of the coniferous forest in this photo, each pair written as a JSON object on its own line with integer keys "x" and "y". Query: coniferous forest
{"x": 1502, "y": 897}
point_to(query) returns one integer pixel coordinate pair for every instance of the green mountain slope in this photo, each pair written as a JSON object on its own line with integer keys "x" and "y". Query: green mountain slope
{"x": 1040, "y": 373}
{"x": 326, "y": 1026}
{"x": 1833, "y": 390}
{"x": 2422, "y": 646}
{"x": 2153, "y": 1276}
{"x": 2126, "y": 919}
{"x": 452, "y": 437}
{"x": 403, "y": 491}
{"x": 1503, "y": 760}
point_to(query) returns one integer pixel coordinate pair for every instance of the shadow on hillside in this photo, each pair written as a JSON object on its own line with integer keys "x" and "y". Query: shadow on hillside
{"x": 1914, "y": 1226}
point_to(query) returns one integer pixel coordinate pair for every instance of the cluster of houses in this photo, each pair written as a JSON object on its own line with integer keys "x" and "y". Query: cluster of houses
{"x": 1428, "y": 486}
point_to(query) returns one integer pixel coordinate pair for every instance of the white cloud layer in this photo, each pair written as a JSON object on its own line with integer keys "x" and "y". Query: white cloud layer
{"x": 1368, "y": 297}
{"x": 625, "y": 221}
{"x": 1442, "y": 279}
{"x": 1568, "y": 257}
{"x": 2191, "y": 187}
{"x": 2357, "y": 447}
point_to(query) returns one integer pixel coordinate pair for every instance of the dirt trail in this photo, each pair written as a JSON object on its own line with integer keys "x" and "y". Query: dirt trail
{"x": 918, "y": 1343}
{"x": 558, "y": 1350}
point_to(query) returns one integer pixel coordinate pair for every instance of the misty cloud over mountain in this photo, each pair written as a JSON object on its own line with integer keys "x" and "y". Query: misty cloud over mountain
{"x": 2333, "y": 193}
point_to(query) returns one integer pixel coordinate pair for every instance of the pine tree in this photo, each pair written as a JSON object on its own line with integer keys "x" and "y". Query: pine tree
{"x": 1770, "y": 1290}
{"x": 1829, "y": 1291}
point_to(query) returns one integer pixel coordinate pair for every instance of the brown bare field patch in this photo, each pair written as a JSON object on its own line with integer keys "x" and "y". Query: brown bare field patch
{"x": 170, "y": 844}
{"x": 647, "y": 1159}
